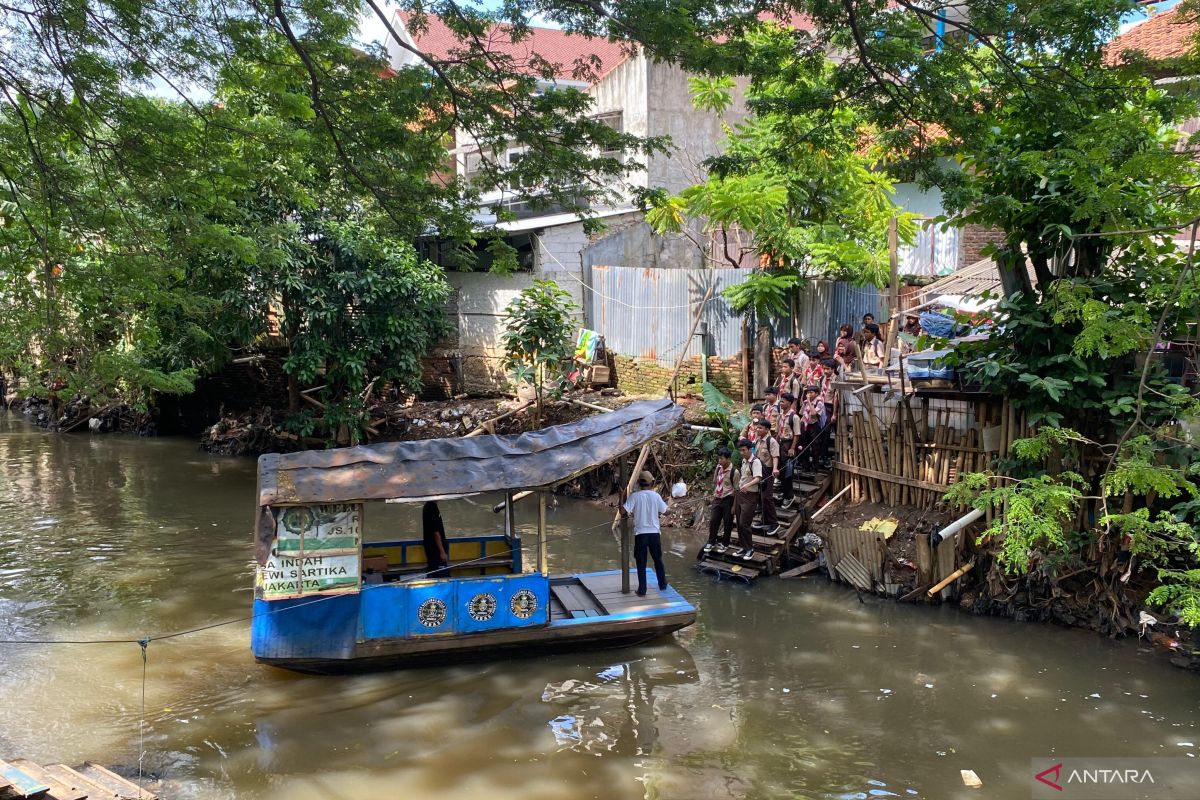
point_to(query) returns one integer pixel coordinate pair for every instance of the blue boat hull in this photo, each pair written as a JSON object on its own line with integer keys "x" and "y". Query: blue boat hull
{"x": 378, "y": 630}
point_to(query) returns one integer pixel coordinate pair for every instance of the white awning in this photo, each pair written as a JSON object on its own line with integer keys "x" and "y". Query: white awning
{"x": 553, "y": 220}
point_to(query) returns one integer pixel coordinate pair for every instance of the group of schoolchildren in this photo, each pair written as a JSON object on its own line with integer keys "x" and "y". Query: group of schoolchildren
{"x": 788, "y": 433}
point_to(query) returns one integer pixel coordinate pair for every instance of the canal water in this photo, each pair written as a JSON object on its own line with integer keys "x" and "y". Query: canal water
{"x": 789, "y": 689}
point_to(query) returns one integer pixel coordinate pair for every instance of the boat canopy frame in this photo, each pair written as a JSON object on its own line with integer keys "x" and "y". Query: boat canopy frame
{"x": 450, "y": 468}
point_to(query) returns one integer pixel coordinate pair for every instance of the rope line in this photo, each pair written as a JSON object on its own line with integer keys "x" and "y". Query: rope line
{"x": 144, "y": 644}
{"x": 146, "y": 640}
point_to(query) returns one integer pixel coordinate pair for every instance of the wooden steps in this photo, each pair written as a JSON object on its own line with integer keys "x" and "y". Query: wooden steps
{"x": 741, "y": 570}
{"x": 21, "y": 779}
{"x": 770, "y": 552}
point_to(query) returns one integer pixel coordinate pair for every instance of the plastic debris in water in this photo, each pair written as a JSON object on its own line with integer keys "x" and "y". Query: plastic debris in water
{"x": 969, "y": 778}
{"x": 566, "y": 730}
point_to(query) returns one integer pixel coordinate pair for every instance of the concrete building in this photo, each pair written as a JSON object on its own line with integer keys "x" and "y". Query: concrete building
{"x": 633, "y": 94}
{"x": 636, "y": 95}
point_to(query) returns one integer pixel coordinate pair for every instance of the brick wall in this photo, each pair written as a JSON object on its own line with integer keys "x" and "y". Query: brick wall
{"x": 972, "y": 240}
{"x": 648, "y": 377}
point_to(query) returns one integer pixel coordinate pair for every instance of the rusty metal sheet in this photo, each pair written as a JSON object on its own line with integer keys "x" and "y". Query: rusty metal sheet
{"x": 415, "y": 470}
{"x": 852, "y": 571}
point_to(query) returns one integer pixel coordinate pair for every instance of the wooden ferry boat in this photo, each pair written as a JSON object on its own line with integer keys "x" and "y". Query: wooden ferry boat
{"x": 329, "y": 599}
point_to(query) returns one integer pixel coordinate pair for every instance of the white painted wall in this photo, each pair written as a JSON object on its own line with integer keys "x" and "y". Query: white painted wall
{"x": 624, "y": 89}
{"x": 912, "y": 198}
{"x": 695, "y": 135}
{"x": 559, "y": 257}
{"x": 480, "y": 300}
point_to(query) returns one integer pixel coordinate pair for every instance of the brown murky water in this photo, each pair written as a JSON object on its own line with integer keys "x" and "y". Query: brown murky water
{"x": 789, "y": 689}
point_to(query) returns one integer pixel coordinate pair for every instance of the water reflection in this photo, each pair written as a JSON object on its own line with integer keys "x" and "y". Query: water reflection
{"x": 783, "y": 690}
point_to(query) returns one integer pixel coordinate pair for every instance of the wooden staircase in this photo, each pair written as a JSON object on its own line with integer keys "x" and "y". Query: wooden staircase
{"x": 21, "y": 779}
{"x": 771, "y": 552}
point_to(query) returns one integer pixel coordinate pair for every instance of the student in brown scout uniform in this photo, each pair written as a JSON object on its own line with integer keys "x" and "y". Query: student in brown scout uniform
{"x": 721, "y": 512}
{"x": 766, "y": 450}
{"x": 845, "y": 349}
{"x": 797, "y": 355}
{"x": 750, "y": 432}
{"x": 874, "y": 356}
{"x": 789, "y": 379}
{"x": 771, "y": 406}
{"x": 789, "y": 439}
{"x": 812, "y": 425}
{"x": 749, "y": 479}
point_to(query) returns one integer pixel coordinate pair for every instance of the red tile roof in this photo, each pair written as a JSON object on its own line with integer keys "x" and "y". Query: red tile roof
{"x": 570, "y": 53}
{"x": 1162, "y": 37}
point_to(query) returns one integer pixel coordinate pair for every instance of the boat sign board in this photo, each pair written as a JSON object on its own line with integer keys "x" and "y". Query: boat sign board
{"x": 316, "y": 550}
{"x": 334, "y": 526}
{"x": 293, "y": 575}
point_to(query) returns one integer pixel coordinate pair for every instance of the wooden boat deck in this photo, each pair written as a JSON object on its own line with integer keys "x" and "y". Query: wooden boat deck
{"x": 20, "y": 779}
{"x": 599, "y": 595}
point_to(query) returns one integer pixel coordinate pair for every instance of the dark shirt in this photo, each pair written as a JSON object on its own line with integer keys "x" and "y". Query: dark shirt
{"x": 431, "y": 535}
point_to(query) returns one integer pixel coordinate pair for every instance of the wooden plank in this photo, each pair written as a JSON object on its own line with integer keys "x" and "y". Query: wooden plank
{"x": 567, "y": 598}
{"x": 58, "y": 789}
{"x": 803, "y": 569}
{"x": 21, "y": 783}
{"x": 740, "y": 568}
{"x": 870, "y": 473}
{"x": 72, "y": 780}
{"x": 106, "y": 779}
{"x": 946, "y": 558}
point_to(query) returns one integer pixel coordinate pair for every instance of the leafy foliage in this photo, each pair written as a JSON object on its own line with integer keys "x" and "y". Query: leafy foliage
{"x": 364, "y": 310}
{"x": 161, "y": 172}
{"x": 1035, "y": 512}
{"x": 539, "y": 343}
{"x": 765, "y": 292}
{"x": 802, "y": 184}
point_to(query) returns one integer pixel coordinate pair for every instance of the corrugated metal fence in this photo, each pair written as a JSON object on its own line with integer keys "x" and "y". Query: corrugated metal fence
{"x": 646, "y": 313}
{"x": 824, "y": 306}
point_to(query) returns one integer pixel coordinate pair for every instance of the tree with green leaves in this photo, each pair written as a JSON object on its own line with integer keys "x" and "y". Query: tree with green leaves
{"x": 1016, "y": 113}
{"x": 539, "y": 342}
{"x": 168, "y": 174}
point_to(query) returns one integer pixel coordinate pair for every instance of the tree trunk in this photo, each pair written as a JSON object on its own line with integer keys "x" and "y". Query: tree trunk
{"x": 1010, "y": 263}
{"x": 762, "y": 360}
{"x": 290, "y": 328}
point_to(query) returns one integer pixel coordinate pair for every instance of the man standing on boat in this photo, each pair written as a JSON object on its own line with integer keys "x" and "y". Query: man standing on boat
{"x": 645, "y": 505}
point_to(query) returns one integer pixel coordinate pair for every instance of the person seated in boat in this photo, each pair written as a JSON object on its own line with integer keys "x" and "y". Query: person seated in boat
{"x": 644, "y": 506}
{"x": 437, "y": 549}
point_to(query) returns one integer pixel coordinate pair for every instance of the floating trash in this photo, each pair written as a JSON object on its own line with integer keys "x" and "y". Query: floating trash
{"x": 566, "y": 730}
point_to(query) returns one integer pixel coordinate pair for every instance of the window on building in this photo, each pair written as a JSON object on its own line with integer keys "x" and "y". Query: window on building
{"x": 472, "y": 164}
{"x": 616, "y": 121}
{"x": 516, "y": 181}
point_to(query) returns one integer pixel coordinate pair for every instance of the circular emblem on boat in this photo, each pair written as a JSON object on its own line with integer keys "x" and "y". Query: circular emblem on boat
{"x": 523, "y": 604}
{"x": 482, "y": 607}
{"x": 432, "y": 613}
